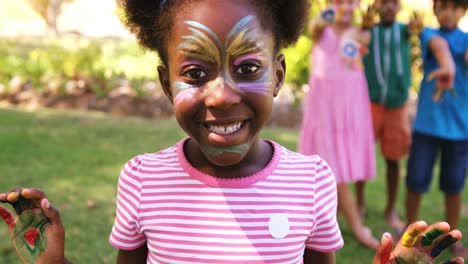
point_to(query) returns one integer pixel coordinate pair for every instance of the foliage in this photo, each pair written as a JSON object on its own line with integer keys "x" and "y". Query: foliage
{"x": 48, "y": 10}
{"x": 52, "y": 62}
{"x": 40, "y": 7}
{"x": 297, "y": 61}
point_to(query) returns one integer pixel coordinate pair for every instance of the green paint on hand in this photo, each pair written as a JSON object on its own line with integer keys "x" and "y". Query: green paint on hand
{"x": 400, "y": 260}
{"x": 431, "y": 236}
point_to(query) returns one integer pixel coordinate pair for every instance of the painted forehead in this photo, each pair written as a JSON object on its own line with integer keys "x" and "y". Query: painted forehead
{"x": 243, "y": 42}
{"x": 204, "y": 44}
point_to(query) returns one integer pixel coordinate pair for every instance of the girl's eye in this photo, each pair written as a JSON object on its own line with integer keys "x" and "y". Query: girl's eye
{"x": 247, "y": 69}
{"x": 195, "y": 74}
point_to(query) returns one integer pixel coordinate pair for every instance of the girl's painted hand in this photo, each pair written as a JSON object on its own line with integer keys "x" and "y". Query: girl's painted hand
{"x": 36, "y": 229}
{"x": 319, "y": 23}
{"x": 368, "y": 18}
{"x": 445, "y": 78}
{"x": 327, "y": 16}
{"x": 420, "y": 244}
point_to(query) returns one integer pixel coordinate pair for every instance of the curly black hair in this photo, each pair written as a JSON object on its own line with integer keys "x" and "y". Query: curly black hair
{"x": 151, "y": 21}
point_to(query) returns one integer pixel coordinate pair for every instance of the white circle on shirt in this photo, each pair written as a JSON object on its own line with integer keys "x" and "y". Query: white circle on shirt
{"x": 279, "y": 225}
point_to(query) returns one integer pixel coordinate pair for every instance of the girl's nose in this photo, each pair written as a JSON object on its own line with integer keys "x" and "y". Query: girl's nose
{"x": 222, "y": 94}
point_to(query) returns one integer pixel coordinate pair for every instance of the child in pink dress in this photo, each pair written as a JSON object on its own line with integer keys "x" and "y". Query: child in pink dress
{"x": 337, "y": 119}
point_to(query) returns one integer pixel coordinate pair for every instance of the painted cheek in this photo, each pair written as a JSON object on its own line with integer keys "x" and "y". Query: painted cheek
{"x": 261, "y": 86}
{"x": 183, "y": 92}
{"x": 184, "y": 96}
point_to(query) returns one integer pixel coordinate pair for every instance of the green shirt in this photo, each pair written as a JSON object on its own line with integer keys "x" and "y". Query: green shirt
{"x": 389, "y": 76}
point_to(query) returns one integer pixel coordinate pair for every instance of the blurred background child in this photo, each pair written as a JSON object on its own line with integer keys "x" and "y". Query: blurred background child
{"x": 388, "y": 71}
{"x": 441, "y": 125}
{"x": 337, "y": 120}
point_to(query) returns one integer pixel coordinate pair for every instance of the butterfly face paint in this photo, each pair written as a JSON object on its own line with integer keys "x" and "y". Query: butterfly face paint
{"x": 242, "y": 62}
{"x": 242, "y": 53}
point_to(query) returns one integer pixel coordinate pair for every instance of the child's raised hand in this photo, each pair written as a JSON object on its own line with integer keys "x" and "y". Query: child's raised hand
{"x": 416, "y": 24}
{"x": 328, "y": 15}
{"x": 36, "y": 229}
{"x": 368, "y": 17}
{"x": 420, "y": 244}
{"x": 445, "y": 78}
{"x": 324, "y": 19}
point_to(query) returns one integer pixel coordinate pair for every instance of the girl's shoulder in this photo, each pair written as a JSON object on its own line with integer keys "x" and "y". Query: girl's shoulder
{"x": 293, "y": 157}
{"x": 146, "y": 163}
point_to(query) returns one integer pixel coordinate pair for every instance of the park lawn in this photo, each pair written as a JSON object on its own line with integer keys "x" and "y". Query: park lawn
{"x": 75, "y": 157}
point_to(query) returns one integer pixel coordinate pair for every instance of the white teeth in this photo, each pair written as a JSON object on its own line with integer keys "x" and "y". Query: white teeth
{"x": 225, "y": 130}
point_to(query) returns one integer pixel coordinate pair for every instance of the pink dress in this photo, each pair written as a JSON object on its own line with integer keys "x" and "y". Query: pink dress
{"x": 337, "y": 119}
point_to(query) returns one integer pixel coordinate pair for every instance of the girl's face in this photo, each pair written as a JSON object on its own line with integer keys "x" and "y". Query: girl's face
{"x": 448, "y": 14}
{"x": 345, "y": 11}
{"x": 222, "y": 76}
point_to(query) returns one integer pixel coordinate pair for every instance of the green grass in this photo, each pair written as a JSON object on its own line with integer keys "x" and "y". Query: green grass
{"x": 76, "y": 156}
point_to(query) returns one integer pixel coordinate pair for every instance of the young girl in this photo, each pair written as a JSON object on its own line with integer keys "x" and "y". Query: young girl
{"x": 337, "y": 120}
{"x": 222, "y": 195}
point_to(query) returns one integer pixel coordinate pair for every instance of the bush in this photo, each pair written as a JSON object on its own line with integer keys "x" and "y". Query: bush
{"x": 41, "y": 62}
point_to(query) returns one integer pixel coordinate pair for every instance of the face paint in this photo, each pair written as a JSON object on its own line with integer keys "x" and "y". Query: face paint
{"x": 234, "y": 149}
{"x": 241, "y": 59}
{"x": 183, "y": 91}
{"x": 223, "y": 74}
{"x": 199, "y": 45}
{"x": 241, "y": 43}
{"x": 430, "y": 236}
{"x": 443, "y": 244}
{"x": 261, "y": 86}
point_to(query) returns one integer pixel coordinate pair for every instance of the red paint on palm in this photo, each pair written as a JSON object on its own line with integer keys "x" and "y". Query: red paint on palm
{"x": 7, "y": 217}
{"x": 31, "y": 237}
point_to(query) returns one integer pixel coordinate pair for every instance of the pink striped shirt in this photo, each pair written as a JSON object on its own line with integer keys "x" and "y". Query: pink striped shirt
{"x": 186, "y": 216}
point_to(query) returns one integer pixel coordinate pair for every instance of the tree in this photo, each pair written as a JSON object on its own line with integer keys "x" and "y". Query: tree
{"x": 49, "y": 11}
